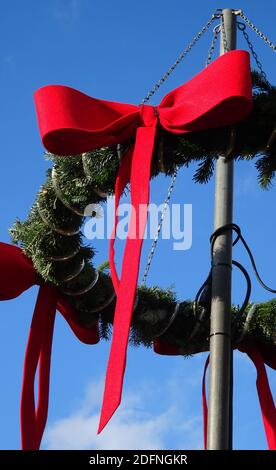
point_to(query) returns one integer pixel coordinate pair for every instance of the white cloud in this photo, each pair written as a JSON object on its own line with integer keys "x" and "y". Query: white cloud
{"x": 154, "y": 419}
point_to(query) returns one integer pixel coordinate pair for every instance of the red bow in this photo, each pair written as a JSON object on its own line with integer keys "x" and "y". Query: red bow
{"x": 71, "y": 122}
{"x": 17, "y": 275}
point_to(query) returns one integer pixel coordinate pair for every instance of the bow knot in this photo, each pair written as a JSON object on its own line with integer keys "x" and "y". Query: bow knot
{"x": 149, "y": 115}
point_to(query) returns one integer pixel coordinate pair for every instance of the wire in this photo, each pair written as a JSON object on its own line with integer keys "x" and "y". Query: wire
{"x": 237, "y": 229}
{"x": 199, "y": 317}
{"x": 247, "y": 296}
{"x": 269, "y": 289}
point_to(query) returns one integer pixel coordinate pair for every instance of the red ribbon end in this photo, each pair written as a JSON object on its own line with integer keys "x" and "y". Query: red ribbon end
{"x": 106, "y": 416}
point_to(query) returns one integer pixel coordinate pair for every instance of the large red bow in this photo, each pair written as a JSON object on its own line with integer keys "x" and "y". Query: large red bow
{"x": 71, "y": 122}
{"x": 17, "y": 275}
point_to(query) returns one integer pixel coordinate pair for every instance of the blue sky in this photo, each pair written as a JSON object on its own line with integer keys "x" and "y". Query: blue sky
{"x": 116, "y": 50}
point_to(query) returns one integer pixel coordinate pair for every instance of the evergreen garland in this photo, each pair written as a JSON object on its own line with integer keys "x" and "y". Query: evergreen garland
{"x": 51, "y": 234}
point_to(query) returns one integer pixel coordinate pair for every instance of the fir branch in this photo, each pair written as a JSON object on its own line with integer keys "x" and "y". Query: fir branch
{"x": 204, "y": 171}
{"x": 266, "y": 166}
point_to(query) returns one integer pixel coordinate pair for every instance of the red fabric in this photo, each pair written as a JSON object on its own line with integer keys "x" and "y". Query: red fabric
{"x": 130, "y": 270}
{"x": 121, "y": 181}
{"x": 85, "y": 335}
{"x": 17, "y": 272}
{"x": 165, "y": 349}
{"x": 264, "y": 393}
{"x": 38, "y": 352}
{"x": 265, "y": 398}
{"x": 17, "y": 275}
{"x": 204, "y": 403}
{"x": 268, "y": 354}
{"x": 71, "y": 122}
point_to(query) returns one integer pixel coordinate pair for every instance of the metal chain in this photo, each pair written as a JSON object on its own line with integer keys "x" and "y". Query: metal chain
{"x": 155, "y": 88}
{"x": 257, "y": 31}
{"x": 195, "y": 39}
{"x": 241, "y": 27}
{"x": 224, "y": 39}
{"x": 213, "y": 44}
{"x": 154, "y": 243}
{"x": 209, "y": 58}
{"x": 220, "y": 28}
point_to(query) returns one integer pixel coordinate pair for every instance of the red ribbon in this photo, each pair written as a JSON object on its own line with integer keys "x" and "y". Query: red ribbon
{"x": 204, "y": 403}
{"x": 71, "y": 122}
{"x": 258, "y": 357}
{"x": 264, "y": 393}
{"x": 17, "y": 275}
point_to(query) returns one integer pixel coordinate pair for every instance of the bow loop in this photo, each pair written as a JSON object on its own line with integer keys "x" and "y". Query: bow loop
{"x": 72, "y": 122}
{"x": 220, "y": 95}
{"x": 18, "y": 272}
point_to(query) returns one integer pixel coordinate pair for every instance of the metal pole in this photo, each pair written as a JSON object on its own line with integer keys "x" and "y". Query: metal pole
{"x": 220, "y": 396}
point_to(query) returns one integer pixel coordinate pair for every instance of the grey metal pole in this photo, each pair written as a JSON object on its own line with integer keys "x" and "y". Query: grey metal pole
{"x": 220, "y": 396}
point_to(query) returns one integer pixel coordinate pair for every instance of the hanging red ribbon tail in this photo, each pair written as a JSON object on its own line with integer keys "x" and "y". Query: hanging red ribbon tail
{"x": 38, "y": 352}
{"x": 44, "y": 375}
{"x": 122, "y": 179}
{"x": 265, "y": 398}
{"x": 204, "y": 403}
{"x": 140, "y": 177}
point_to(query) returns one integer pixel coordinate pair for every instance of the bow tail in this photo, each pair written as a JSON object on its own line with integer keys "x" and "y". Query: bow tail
{"x": 265, "y": 398}
{"x": 122, "y": 179}
{"x": 204, "y": 403}
{"x": 44, "y": 375}
{"x": 38, "y": 351}
{"x": 139, "y": 181}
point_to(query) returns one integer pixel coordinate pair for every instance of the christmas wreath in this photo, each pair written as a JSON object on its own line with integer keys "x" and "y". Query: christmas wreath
{"x": 51, "y": 234}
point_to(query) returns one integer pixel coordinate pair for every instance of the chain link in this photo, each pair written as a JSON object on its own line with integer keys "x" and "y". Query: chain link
{"x": 154, "y": 243}
{"x": 224, "y": 39}
{"x": 257, "y": 31}
{"x": 213, "y": 44}
{"x": 241, "y": 27}
{"x": 195, "y": 39}
{"x": 220, "y": 28}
